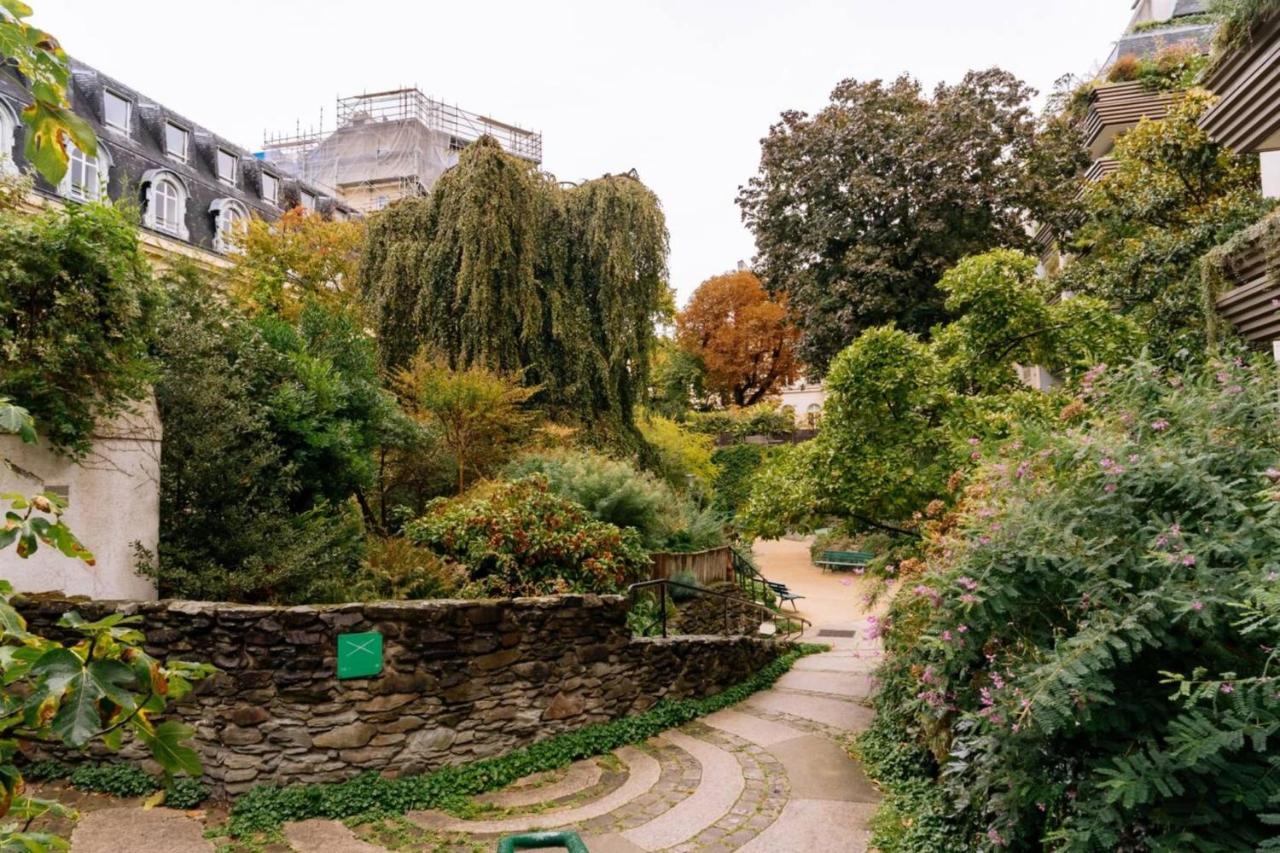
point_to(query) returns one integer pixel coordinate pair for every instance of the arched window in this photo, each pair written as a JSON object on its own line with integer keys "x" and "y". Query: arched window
{"x": 230, "y": 217}
{"x": 813, "y": 415}
{"x": 166, "y": 202}
{"x": 86, "y": 177}
{"x": 8, "y": 129}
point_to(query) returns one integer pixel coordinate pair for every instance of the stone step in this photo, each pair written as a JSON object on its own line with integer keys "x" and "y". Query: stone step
{"x": 546, "y": 787}
{"x": 816, "y": 826}
{"x": 839, "y": 713}
{"x": 643, "y": 774}
{"x": 718, "y": 790}
{"x": 325, "y": 836}
{"x": 841, "y": 684}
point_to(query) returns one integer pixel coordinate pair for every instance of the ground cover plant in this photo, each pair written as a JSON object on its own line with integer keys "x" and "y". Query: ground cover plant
{"x": 265, "y": 808}
{"x": 1088, "y": 662}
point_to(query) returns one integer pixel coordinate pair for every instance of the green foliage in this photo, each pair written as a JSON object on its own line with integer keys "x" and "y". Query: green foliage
{"x": 678, "y": 379}
{"x": 522, "y": 539}
{"x": 76, "y": 312}
{"x": 269, "y": 427}
{"x": 902, "y": 415}
{"x": 683, "y": 457}
{"x": 856, "y": 227}
{"x": 740, "y": 422}
{"x": 266, "y": 807}
{"x": 1238, "y": 21}
{"x": 395, "y": 570}
{"x": 502, "y": 268}
{"x": 617, "y": 493}
{"x": 644, "y": 617}
{"x": 1175, "y": 195}
{"x": 45, "y": 71}
{"x": 118, "y": 780}
{"x": 687, "y": 579}
{"x": 96, "y": 689}
{"x": 1174, "y": 67}
{"x": 32, "y": 520}
{"x": 185, "y": 793}
{"x": 736, "y": 467}
{"x": 1089, "y": 658}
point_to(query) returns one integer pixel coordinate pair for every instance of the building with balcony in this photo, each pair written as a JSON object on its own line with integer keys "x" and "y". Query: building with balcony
{"x": 191, "y": 184}
{"x": 1246, "y": 78}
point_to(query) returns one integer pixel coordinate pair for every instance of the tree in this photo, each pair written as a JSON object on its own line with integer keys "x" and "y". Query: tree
{"x": 299, "y": 257}
{"x": 902, "y": 415}
{"x": 858, "y": 210}
{"x": 1175, "y": 195}
{"x": 480, "y": 414}
{"x": 677, "y": 380}
{"x": 503, "y": 269}
{"x": 77, "y": 306}
{"x": 741, "y": 336}
{"x": 269, "y": 429}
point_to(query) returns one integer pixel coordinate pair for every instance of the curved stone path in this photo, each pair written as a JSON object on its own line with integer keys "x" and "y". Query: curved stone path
{"x": 769, "y": 774}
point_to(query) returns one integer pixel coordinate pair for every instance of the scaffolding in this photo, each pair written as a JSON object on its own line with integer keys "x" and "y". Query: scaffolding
{"x": 388, "y": 145}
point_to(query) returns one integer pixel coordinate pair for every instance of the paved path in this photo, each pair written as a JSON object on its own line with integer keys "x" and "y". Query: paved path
{"x": 769, "y": 775}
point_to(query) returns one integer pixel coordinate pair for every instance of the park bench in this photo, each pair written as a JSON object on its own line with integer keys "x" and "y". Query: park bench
{"x": 839, "y": 561}
{"x": 784, "y": 594}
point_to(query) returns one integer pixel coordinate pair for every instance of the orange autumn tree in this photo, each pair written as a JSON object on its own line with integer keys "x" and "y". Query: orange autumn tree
{"x": 742, "y": 337}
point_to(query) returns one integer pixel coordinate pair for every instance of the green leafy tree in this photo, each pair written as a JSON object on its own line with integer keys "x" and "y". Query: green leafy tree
{"x": 77, "y": 307}
{"x": 901, "y": 414}
{"x": 268, "y": 430}
{"x": 481, "y": 415}
{"x": 503, "y": 269}
{"x": 677, "y": 380}
{"x": 1088, "y": 661}
{"x": 859, "y": 209}
{"x": 1175, "y": 195}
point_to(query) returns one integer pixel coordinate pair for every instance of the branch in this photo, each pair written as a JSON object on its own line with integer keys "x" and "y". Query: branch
{"x": 887, "y": 527}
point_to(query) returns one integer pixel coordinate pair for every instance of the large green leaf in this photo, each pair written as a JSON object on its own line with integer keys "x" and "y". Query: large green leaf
{"x": 17, "y": 421}
{"x": 75, "y": 690}
{"x": 166, "y": 744}
{"x": 50, "y": 128}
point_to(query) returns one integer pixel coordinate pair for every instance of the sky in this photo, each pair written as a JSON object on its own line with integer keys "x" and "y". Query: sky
{"x": 680, "y": 91}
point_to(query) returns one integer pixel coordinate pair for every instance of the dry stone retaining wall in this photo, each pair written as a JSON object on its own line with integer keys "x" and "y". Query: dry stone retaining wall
{"x": 461, "y": 679}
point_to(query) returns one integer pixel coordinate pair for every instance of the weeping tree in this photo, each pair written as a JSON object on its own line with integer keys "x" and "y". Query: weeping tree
{"x": 504, "y": 268}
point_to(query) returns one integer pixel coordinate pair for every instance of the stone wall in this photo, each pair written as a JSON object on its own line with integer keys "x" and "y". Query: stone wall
{"x": 461, "y": 679}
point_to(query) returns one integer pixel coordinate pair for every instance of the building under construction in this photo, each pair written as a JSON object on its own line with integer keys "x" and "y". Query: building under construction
{"x": 388, "y": 145}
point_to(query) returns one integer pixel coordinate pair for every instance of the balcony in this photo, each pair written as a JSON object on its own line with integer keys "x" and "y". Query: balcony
{"x": 1247, "y": 81}
{"x": 1246, "y": 290}
{"x": 1118, "y": 107}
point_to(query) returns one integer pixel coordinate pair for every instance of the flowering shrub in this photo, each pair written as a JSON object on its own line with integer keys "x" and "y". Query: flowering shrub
{"x": 520, "y": 539}
{"x": 1088, "y": 662}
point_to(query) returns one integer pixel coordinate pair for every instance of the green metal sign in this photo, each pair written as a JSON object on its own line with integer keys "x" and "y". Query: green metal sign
{"x": 359, "y": 655}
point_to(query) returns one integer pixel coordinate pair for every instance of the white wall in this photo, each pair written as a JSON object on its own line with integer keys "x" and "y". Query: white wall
{"x": 800, "y": 397}
{"x": 1270, "y": 173}
{"x": 113, "y": 499}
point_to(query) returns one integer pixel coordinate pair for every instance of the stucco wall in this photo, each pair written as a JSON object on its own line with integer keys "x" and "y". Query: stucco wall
{"x": 461, "y": 680}
{"x": 113, "y": 499}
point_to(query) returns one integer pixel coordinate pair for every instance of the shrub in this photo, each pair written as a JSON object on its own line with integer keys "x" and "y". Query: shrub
{"x": 760, "y": 419}
{"x": 118, "y": 780}
{"x": 521, "y": 539}
{"x": 185, "y": 793}
{"x": 736, "y": 467}
{"x": 617, "y": 493}
{"x": 687, "y": 578}
{"x": 396, "y": 569}
{"x": 1090, "y": 651}
{"x": 77, "y": 306}
{"x": 683, "y": 457}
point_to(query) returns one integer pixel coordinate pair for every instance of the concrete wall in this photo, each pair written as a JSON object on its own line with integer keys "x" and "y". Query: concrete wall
{"x": 113, "y": 497}
{"x": 801, "y": 397}
{"x": 461, "y": 680}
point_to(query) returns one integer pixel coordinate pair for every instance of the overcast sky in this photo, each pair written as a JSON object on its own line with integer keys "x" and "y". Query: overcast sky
{"x": 680, "y": 90}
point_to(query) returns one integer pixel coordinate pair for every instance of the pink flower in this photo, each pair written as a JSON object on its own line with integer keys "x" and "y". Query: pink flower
{"x": 974, "y": 442}
{"x": 1109, "y": 488}
{"x": 963, "y": 629}
{"x": 968, "y": 583}
{"x": 1189, "y": 560}
{"x": 1160, "y": 425}
{"x": 1227, "y": 688}
{"x": 1133, "y": 458}
{"x": 1023, "y": 468}
{"x": 946, "y": 636}
{"x": 995, "y": 837}
{"x": 1197, "y": 606}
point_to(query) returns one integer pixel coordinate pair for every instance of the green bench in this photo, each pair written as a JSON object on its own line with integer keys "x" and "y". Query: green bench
{"x": 542, "y": 841}
{"x": 840, "y": 561}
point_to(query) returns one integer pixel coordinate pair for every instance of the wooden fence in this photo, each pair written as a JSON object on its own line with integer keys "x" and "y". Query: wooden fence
{"x": 708, "y": 567}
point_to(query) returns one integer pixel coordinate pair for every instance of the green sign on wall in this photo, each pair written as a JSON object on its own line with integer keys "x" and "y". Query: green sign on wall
{"x": 359, "y": 655}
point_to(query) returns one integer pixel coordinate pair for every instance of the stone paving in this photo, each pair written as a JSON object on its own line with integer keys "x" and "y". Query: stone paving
{"x": 770, "y": 774}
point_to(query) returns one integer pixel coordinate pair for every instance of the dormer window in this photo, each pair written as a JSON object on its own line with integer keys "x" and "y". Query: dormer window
{"x": 270, "y": 188}
{"x": 231, "y": 218}
{"x": 227, "y": 162}
{"x": 166, "y": 203}
{"x": 176, "y": 140}
{"x": 86, "y": 177}
{"x": 116, "y": 110}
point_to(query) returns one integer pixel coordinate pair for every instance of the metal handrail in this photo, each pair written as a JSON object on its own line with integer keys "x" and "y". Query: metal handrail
{"x": 770, "y": 614}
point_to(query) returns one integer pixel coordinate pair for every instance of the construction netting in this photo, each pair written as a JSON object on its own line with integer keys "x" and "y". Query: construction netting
{"x": 391, "y": 144}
